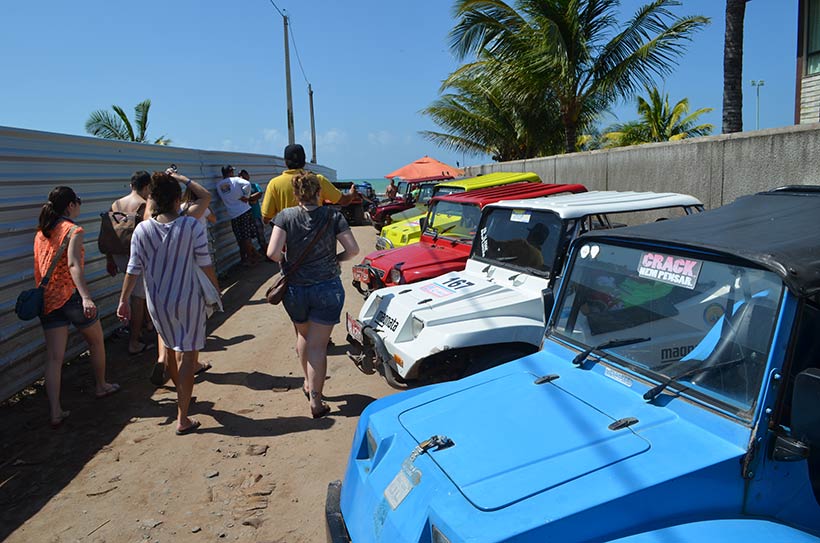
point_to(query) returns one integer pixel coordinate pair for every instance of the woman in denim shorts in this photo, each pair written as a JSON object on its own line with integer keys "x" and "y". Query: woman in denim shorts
{"x": 315, "y": 296}
{"x": 67, "y": 299}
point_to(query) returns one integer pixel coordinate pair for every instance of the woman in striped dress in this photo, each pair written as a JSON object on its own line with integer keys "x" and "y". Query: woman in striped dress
{"x": 166, "y": 250}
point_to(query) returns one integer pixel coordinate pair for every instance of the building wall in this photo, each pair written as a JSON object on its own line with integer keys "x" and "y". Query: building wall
{"x": 810, "y": 99}
{"x": 31, "y": 164}
{"x": 715, "y": 169}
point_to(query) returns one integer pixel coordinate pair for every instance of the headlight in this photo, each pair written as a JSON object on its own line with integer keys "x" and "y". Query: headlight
{"x": 418, "y": 326}
{"x": 395, "y": 275}
{"x": 439, "y": 537}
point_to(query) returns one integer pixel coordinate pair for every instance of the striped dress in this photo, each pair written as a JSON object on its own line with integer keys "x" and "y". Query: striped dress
{"x": 166, "y": 255}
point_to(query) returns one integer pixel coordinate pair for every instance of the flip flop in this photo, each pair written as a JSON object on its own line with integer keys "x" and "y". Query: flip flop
{"x": 324, "y": 410}
{"x": 113, "y": 390}
{"x": 141, "y": 350}
{"x": 192, "y": 428}
{"x": 306, "y": 393}
{"x": 203, "y": 368}
{"x": 56, "y": 424}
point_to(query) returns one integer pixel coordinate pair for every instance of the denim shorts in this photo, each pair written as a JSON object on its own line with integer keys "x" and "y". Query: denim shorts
{"x": 320, "y": 303}
{"x": 70, "y": 313}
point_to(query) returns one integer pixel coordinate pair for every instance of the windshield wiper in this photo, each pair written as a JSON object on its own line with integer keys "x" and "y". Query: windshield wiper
{"x": 653, "y": 392}
{"x": 437, "y": 233}
{"x": 611, "y": 344}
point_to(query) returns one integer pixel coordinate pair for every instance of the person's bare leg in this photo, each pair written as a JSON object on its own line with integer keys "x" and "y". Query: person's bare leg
{"x": 136, "y": 323}
{"x": 171, "y": 365}
{"x": 94, "y": 337}
{"x": 301, "y": 350}
{"x": 317, "y": 337}
{"x": 185, "y": 388}
{"x": 56, "y": 339}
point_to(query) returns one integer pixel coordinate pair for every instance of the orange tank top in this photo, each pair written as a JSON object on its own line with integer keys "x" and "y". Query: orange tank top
{"x": 61, "y": 286}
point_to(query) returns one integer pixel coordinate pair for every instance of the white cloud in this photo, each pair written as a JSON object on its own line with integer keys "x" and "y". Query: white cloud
{"x": 382, "y": 137}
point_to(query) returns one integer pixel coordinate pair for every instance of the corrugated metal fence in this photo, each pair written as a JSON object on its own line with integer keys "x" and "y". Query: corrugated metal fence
{"x": 31, "y": 164}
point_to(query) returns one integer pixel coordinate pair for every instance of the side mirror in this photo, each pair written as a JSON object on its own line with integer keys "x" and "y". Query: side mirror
{"x": 423, "y": 223}
{"x": 549, "y": 300}
{"x": 806, "y": 407}
{"x": 788, "y": 449}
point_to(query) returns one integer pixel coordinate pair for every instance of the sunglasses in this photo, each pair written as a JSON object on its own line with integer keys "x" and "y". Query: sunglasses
{"x": 78, "y": 201}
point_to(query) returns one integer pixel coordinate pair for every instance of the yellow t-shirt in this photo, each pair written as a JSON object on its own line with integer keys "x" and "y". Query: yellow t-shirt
{"x": 279, "y": 194}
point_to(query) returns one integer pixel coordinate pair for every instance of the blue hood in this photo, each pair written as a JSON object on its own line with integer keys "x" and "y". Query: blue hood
{"x": 514, "y": 439}
{"x": 499, "y": 457}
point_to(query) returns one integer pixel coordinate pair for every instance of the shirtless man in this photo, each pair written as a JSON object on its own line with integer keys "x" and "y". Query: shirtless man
{"x": 135, "y": 203}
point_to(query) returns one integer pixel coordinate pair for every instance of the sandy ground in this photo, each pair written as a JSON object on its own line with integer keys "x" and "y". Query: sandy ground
{"x": 257, "y": 470}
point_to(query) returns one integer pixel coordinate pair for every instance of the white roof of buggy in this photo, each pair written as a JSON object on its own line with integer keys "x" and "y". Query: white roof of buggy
{"x": 573, "y": 206}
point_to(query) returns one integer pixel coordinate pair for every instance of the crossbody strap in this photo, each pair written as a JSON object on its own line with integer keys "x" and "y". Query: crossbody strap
{"x": 44, "y": 281}
{"x": 310, "y": 246}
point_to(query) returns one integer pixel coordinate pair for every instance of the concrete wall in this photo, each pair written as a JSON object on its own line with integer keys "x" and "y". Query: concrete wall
{"x": 31, "y": 164}
{"x": 715, "y": 169}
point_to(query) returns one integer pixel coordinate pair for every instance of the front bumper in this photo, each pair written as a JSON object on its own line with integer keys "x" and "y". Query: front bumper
{"x": 335, "y": 528}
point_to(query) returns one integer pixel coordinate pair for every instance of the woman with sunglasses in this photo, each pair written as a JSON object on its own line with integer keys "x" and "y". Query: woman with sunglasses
{"x": 67, "y": 299}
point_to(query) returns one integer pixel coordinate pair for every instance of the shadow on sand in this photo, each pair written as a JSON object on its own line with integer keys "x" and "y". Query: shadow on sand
{"x": 37, "y": 462}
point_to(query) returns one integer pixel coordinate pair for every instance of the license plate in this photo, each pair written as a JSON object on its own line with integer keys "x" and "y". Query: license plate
{"x": 354, "y": 328}
{"x": 397, "y": 490}
{"x": 361, "y": 275}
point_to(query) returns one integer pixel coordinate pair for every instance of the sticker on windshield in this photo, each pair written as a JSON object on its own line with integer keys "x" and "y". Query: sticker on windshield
{"x": 520, "y": 215}
{"x": 672, "y": 270}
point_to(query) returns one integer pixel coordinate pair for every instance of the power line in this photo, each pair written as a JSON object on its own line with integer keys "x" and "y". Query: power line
{"x": 296, "y": 50}
{"x": 277, "y": 8}
{"x": 292, "y": 40}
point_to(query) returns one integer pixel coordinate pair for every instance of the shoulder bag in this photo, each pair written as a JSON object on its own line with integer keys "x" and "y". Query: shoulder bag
{"x": 276, "y": 292}
{"x": 30, "y": 302}
{"x": 116, "y": 229}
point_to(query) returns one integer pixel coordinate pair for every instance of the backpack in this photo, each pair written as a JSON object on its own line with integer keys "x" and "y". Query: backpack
{"x": 116, "y": 229}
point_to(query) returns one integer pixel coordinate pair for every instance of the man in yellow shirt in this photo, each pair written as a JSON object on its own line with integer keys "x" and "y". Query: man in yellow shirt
{"x": 279, "y": 193}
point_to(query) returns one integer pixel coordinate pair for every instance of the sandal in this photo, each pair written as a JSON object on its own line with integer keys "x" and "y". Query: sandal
{"x": 203, "y": 368}
{"x": 112, "y": 389}
{"x": 324, "y": 410}
{"x": 189, "y": 429}
{"x": 57, "y": 423}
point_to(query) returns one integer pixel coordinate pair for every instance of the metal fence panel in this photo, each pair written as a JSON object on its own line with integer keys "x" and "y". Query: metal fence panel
{"x": 31, "y": 164}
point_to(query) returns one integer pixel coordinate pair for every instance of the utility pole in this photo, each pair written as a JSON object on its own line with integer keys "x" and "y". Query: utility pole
{"x": 312, "y": 127}
{"x": 291, "y": 135}
{"x": 757, "y": 84}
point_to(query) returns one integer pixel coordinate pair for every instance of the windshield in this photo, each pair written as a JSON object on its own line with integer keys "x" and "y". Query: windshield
{"x": 441, "y": 190}
{"x": 425, "y": 193}
{"x": 403, "y": 187}
{"x": 520, "y": 237}
{"x": 454, "y": 220}
{"x": 697, "y": 312}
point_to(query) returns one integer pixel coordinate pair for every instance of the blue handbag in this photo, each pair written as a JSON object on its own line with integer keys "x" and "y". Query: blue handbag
{"x": 30, "y": 302}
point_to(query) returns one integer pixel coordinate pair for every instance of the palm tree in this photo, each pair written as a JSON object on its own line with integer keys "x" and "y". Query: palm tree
{"x": 104, "y": 124}
{"x": 659, "y": 122}
{"x": 576, "y": 48}
{"x": 478, "y": 118}
{"x": 733, "y": 67}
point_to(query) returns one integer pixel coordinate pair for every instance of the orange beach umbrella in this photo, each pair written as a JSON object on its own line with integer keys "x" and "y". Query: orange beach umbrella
{"x": 425, "y": 167}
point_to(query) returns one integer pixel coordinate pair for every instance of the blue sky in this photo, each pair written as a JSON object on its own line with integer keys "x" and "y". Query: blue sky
{"x": 214, "y": 71}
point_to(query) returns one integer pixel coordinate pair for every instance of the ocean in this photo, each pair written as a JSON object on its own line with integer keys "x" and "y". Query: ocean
{"x": 379, "y": 183}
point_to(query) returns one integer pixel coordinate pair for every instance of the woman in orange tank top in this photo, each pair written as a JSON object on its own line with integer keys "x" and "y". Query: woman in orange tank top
{"x": 67, "y": 299}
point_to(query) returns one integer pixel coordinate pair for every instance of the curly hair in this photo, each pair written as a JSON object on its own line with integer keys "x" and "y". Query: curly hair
{"x": 165, "y": 192}
{"x": 306, "y": 187}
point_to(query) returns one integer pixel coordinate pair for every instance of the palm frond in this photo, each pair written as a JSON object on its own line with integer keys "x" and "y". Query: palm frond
{"x": 141, "y": 118}
{"x": 125, "y": 121}
{"x": 104, "y": 124}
